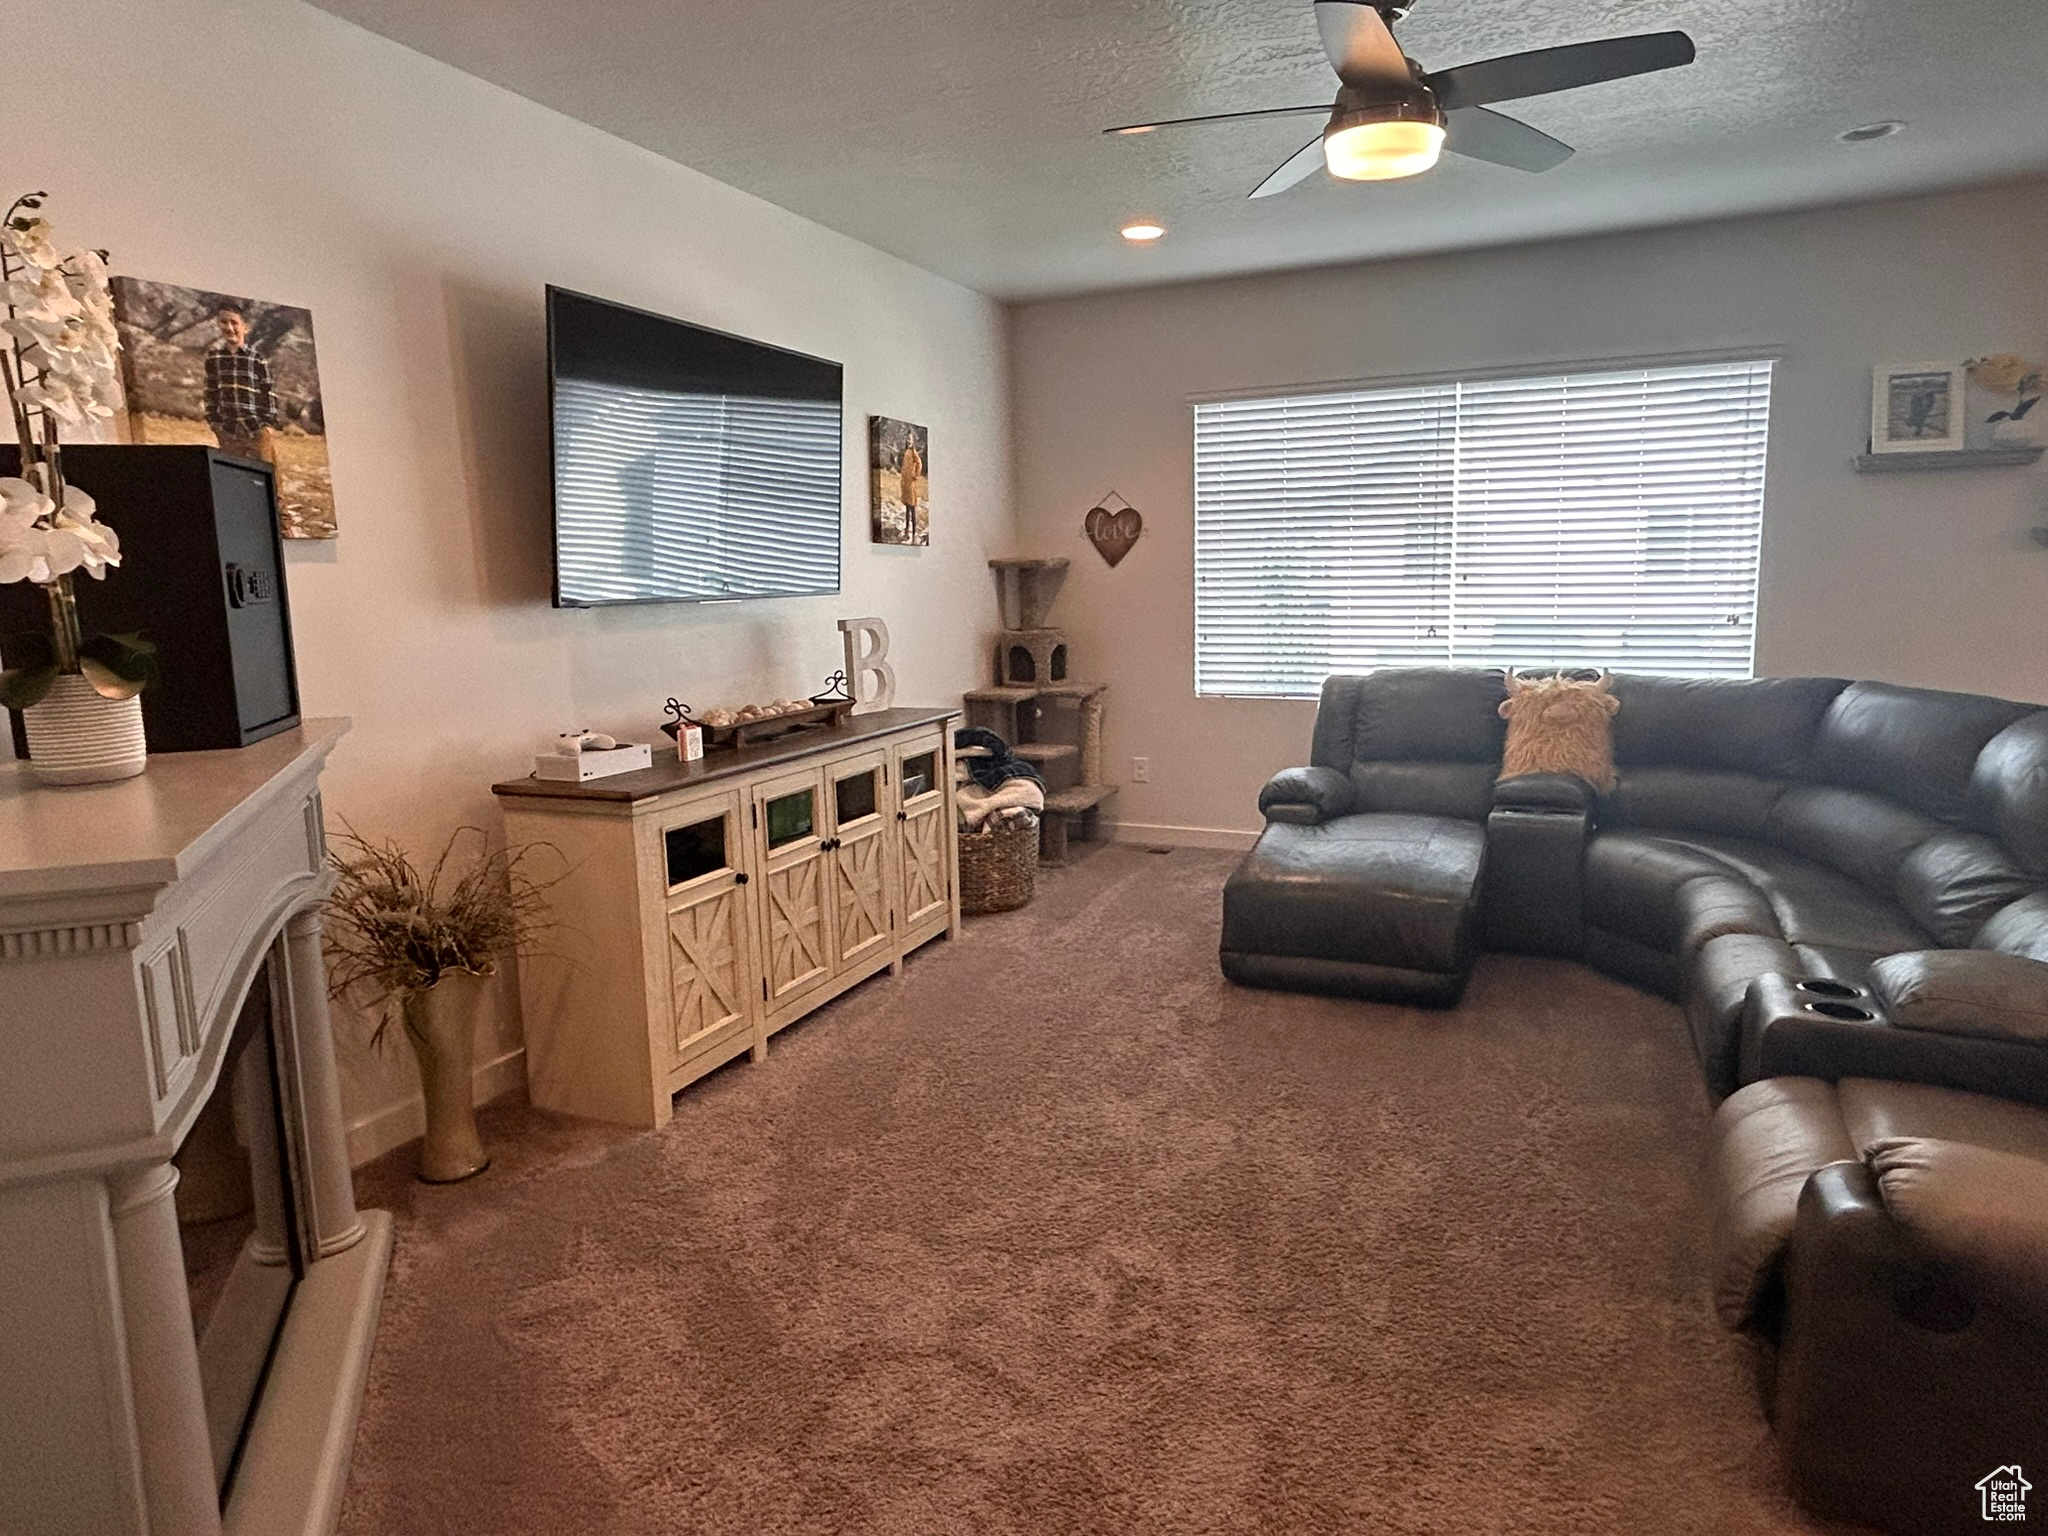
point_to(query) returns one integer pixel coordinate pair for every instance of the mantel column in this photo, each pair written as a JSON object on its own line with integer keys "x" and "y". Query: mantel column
{"x": 163, "y": 1356}
{"x": 334, "y": 1222}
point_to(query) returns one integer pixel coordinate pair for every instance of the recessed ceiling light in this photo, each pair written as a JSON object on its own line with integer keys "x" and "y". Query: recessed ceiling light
{"x": 1869, "y": 131}
{"x": 1143, "y": 232}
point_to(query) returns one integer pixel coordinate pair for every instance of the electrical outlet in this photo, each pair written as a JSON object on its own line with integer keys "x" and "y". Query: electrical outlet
{"x": 1141, "y": 770}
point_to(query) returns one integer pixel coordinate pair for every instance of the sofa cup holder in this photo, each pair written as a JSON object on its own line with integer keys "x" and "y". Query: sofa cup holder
{"x": 1815, "y": 986}
{"x": 1848, "y": 1012}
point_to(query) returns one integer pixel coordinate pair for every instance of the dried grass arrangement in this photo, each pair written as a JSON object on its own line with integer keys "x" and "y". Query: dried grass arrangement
{"x": 394, "y": 932}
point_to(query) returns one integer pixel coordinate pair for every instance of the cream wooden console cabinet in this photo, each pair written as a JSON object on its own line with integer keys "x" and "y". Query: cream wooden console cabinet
{"x": 708, "y": 904}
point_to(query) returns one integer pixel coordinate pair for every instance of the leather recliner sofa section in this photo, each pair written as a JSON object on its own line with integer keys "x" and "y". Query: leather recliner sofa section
{"x": 1892, "y": 1239}
{"x": 1846, "y": 886}
{"x": 1366, "y": 880}
{"x": 1797, "y": 826}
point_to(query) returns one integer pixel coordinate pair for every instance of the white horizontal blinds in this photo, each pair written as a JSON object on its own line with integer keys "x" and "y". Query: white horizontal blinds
{"x": 781, "y": 495}
{"x": 1322, "y": 536}
{"x": 1606, "y": 518}
{"x": 1611, "y": 519}
{"x": 663, "y": 495}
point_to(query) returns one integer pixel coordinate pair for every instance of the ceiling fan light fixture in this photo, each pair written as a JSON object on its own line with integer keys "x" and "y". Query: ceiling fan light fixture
{"x": 1383, "y": 149}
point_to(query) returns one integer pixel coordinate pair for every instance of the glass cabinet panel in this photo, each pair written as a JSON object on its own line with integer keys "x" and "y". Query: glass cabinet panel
{"x": 791, "y": 818}
{"x": 856, "y": 797}
{"x": 695, "y": 850}
{"x": 920, "y": 774}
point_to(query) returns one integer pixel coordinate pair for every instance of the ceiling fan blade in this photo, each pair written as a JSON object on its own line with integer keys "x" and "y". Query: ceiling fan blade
{"x": 1515, "y": 75}
{"x": 1361, "y": 46}
{"x": 1484, "y": 135}
{"x": 1300, "y": 165}
{"x": 1321, "y": 109}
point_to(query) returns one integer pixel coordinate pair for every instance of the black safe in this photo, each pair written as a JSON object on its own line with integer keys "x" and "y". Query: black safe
{"x": 201, "y": 575}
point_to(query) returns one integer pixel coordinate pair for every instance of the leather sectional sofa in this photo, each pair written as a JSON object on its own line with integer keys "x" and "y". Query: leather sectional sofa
{"x": 1845, "y": 886}
{"x": 1804, "y": 827}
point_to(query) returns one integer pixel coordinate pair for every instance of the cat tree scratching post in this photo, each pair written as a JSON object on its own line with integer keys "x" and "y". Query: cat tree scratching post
{"x": 1091, "y": 739}
{"x": 1052, "y": 720}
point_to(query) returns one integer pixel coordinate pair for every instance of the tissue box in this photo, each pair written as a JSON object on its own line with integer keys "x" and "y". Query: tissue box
{"x": 582, "y": 767}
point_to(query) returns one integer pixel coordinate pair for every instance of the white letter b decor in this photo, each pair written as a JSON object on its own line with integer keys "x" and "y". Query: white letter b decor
{"x": 869, "y": 677}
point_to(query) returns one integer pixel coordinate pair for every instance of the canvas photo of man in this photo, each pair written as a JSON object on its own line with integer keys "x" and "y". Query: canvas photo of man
{"x": 238, "y": 374}
{"x": 241, "y": 404}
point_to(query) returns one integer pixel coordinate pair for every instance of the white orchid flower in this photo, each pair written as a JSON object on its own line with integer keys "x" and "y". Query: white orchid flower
{"x": 62, "y": 321}
{"x": 43, "y": 296}
{"x": 55, "y": 299}
{"x": 40, "y": 541}
{"x": 25, "y": 330}
{"x": 99, "y": 548}
{"x": 48, "y": 394}
{"x": 53, "y": 393}
{"x": 24, "y": 548}
{"x": 17, "y": 518}
{"x": 24, "y": 498}
{"x": 30, "y": 240}
{"x": 24, "y": 558}
{"x": 72, "y": 362}
{"x": 66, "y": 552}
{"x": 35, "y": 352}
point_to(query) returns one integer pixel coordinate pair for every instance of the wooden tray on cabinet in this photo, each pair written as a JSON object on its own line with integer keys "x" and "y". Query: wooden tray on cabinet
{"x": 772, "y": 727}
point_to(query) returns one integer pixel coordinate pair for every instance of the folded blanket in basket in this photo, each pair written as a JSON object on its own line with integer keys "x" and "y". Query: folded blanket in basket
{"x": 978, "y": 804}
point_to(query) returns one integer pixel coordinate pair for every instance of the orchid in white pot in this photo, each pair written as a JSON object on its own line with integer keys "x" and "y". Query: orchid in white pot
{"x": 78, "y": 695}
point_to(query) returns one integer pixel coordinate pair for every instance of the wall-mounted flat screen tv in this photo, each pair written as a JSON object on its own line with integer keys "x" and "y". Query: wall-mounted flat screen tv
{"x": 690, "y": 466}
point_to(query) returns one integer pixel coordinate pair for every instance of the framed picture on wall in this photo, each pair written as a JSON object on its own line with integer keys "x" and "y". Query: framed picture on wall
{"x": 233, "y": 373}
{"x": 1917, "y": 408}
{"x": 899, "y": 460}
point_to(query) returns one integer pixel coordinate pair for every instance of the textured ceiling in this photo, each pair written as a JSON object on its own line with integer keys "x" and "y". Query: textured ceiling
{"x": 964, "y": 135}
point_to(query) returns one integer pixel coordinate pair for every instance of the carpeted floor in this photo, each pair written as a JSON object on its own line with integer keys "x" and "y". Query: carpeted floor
{"x": 1061, "y": 1233}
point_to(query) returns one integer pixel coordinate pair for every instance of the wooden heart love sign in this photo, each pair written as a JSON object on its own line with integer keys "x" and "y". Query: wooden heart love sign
{"x": 1113, "y": 533}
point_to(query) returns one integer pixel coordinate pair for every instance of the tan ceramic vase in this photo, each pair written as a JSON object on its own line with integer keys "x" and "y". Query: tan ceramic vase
{"x": 441, "y": 1024}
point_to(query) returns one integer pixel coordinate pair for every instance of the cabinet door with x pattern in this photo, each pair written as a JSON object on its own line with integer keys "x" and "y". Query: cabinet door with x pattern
{"x": 794, "y": 906}
{"x": 863, "y": 924}
{"x": 712, "y": 989}
{"x": 924, "y": 810}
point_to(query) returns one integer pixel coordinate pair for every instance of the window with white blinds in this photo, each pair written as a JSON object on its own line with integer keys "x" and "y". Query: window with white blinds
{"x": 1605, "y": 518}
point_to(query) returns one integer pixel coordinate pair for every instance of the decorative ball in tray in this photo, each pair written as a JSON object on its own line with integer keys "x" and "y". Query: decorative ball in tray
{"x": 764, "y": 722}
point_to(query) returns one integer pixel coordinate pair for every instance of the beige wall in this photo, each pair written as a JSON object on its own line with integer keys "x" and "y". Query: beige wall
{"x": 263, "y": 148}
{"x": 1927, "y": 579}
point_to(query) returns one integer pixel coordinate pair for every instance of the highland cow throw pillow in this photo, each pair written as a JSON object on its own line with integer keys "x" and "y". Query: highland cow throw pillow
{"x": 1560, "y": 725}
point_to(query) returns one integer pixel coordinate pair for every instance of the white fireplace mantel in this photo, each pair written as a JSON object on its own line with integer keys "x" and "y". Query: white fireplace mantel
{"x": 134, "y": 918}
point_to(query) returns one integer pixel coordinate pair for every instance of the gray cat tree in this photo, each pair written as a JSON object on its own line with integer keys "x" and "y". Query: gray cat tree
{"x": 1052, "y": 720}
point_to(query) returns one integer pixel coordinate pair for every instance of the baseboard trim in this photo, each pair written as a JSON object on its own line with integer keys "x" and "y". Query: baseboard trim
{"x": 1180, "y": 837}
{"x": 371, "y": 1136}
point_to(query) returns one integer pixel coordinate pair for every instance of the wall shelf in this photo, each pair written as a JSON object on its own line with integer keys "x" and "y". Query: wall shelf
{"x": 1960, "y": 458}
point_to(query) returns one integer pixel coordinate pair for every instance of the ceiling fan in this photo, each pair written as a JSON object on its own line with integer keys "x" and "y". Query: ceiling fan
{"x": 1393, "y": 119}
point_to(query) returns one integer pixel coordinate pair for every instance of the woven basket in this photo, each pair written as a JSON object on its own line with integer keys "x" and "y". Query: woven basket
{"x": 998, "y": 867}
